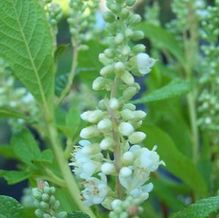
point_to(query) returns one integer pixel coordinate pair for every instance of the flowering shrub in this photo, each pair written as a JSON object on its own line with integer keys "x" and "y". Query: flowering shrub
{"x": 131, "y": 130}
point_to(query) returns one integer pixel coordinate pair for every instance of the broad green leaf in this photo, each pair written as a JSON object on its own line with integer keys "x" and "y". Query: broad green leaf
{"x": 9, "y": 207}
{"x": 77, "y": 214}
{"x": 200, "y": 209}
{"x": 6, "y": 112}
{"x": 25, "y": 147}
{"x": 6, "y": 151}
{"x": 73, "y": 120}
{"x": 173, "y": 89}
{"x": 13, "y": 177}
{"x": 176, "y": 162}
{"x": 26, "y": 44}
{"x": 164, "y": 40}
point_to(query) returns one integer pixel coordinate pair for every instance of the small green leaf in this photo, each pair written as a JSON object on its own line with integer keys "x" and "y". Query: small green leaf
{"x": 200, "y": 209}
{"x": 162, "y": 39}
{"x": 176, "y": 162}
{"x": 26, "y": 44}
{"x": 6, "y": 112}
{"x": 9, "y": 207}
{"x": 46, "y": 156}
{"x": 25, "y": 147}
{"x": 73, "y": 120}
{"x": 60, "y": 50}
{"x": 13, "y": 177}
{"x": 77, "y": 214}
{"x": 173, "y": 89}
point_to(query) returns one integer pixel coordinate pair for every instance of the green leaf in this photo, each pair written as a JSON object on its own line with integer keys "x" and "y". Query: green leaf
{"x": 200, "y": 209}
{"x": 174, "y": 88}
{"x": 73, "y": 120}
{"x": 77, "y": 214}
{"x": 26, "y": 44}
{"x": 6, "y": 151}
{"x": 176, "y": 162}
{"x": 162, "y": 39}
{"x": 9, "y": 207}
{"x": 6, "y": 112}
{"x": 25, "y": 147}
{"x": 13, "y": 177}
{"x": 46, "y": 156}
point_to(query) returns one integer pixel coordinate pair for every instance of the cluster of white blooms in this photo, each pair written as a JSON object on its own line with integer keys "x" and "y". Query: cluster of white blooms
{"x": 182, "y": 10}
{"x": 209, "y": 81}
{"x": 45, "y": 202}
{"x": 82, "y": 19}
{"x": 54, "y": 13}
{"x": 152, "y": 14}
{"x": 17, "y": 98}
{"x": 10, "y": 95}
{"x": 111, "y": 145}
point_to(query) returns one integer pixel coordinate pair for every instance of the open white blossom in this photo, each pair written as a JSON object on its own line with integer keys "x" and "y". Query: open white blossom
{"x": 95, "y": 190}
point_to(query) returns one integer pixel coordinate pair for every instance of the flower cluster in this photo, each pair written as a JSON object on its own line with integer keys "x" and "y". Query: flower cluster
{"x": 209, "y": 81}
{"x": 54, "y": 13}
{"x": 46, "y": 203}
{"x": 111, "y": 145}
{"x": 152, "y": 14}
{"x": 12, "y": 96}
{"x": 182, "y": 10}
{"x": 81, "y": 20}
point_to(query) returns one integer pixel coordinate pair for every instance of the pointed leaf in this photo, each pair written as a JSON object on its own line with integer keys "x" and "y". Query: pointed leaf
{"x": 26, "y": 44}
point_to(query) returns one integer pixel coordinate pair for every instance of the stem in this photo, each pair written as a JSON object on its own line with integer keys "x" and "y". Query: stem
{"x": 65, "y": 170}
{"x": 116, "y": 138}
{"x": 52, "y": 177}
{"x": 71, "y": 75}
{"x": 191, "y": 50}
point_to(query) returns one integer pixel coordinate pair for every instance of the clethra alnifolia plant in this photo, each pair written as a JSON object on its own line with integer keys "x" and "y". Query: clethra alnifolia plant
{"x": 111, "y": 144}
{"x": 104, "y": 114}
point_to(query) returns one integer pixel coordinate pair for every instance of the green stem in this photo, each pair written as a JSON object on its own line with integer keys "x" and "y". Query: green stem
{"x": 71, "y": 75}
{"x": 65, "y": 171}
{"x": 191, "y": 51}
{"x": 116, "y": 138}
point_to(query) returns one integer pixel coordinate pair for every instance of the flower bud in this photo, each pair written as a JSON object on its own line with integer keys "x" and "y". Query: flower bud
{"x": 137, "y": 137}
{"x": 114, "y": 103}
{"x": 98, "y": 83}
{"x": 92, "y": 116}
{"x": 119, "y": 38}
{"x": 137, "y": 35}
{"x": 89, "y": 132}
{"x": 127, "y": 78}
{"x": 106, "y": 70}
{"x": 127, "y": 157}
{"x": 125, "y": 172}
{"x": 130, "y": 92}
{"x": 116, "y": 203}
{"x": 106, "y": 143}
{"x": 105, "y": 125}
{"x": 126, "y": 128}
{"x": 119, "y": 67}
{"x": 108, "y": 168}
{"x": 130, "y": 3}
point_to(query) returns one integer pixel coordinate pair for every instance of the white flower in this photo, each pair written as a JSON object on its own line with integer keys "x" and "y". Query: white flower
{"x": 145, "y": 162}
{"x": 86, "y": 160}
{"x": 95, "y": 190}
{"x": 116, "y": 203}
{"x": 144, "y": 63}
{"x": 126, "y": 128}
{"x": 142, "y": 192}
